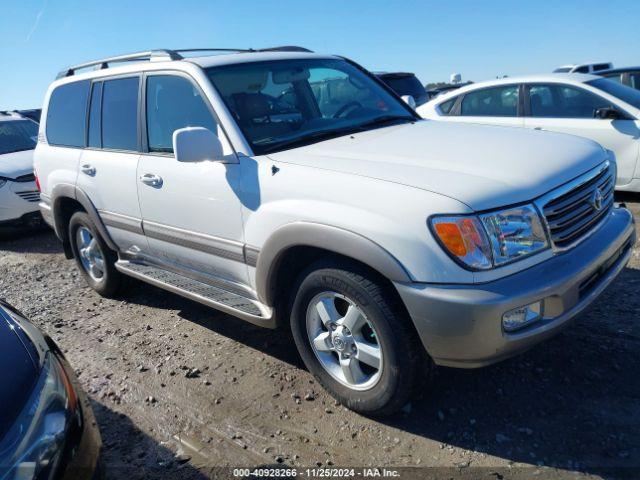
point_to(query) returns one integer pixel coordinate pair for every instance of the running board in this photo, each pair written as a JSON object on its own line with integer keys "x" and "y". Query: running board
{"x": 245, "y": 308}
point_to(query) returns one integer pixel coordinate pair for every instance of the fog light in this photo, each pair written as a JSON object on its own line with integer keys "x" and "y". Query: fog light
{"x": 522, "y": 316}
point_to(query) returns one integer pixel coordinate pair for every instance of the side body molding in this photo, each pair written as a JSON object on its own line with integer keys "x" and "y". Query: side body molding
{"x": 62, "y": 191}
{"x": 326, "y": 237}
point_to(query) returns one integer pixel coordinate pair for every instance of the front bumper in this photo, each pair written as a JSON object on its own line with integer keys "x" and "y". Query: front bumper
{"x": 461, "y": 325}
{"x": 17, "y": 200}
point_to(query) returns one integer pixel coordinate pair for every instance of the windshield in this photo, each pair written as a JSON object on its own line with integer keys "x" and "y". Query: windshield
{"x": 287, "y": 103}
{"x": 562, "y": 70}
{"x": 19, "y": 135}
{"x": 624, "y": 93}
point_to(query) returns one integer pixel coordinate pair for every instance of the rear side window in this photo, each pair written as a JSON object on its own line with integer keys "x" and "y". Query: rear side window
{"x": 120, "y": 114}
{"x": 491, "y": 102}
{"x": 445, "y": 107}
{"x": 172, "y": 103}
{"x": 601, "y": 66}
{"x": 67, "y": 113}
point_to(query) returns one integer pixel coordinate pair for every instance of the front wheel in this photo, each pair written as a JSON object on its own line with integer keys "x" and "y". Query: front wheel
{"x": 355, "y": 338}
{"x": 94, "y": 259}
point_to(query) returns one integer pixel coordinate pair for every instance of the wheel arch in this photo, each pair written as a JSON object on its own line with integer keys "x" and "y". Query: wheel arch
{"x": 65, "y": 201}
{"x": 312, "y": 240}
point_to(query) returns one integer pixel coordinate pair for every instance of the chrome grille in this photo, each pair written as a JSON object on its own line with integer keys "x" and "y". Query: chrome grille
{"x": 572, "y": 214}
{"x": 32, "y": 196}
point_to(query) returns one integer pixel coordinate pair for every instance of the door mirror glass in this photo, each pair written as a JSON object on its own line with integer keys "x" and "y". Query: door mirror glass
{"x": 197, "y": 144}
{"x": 409, "y": 100}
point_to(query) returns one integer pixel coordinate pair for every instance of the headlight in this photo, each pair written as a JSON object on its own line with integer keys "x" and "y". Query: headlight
{"x": 481, "y": 242}
{"x": 34, "y": 444}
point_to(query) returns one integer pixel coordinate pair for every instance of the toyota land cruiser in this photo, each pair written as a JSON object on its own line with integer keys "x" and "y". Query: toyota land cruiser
{"x": 295, "y": 189}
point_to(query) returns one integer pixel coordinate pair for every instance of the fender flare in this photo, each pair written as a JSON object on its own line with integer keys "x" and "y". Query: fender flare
{"x": 326, "y": 237}
{"x": 63, "y": 191}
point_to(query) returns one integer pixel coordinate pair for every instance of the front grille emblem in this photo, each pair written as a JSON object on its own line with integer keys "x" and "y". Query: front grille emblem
{"x": 596, "y": 200}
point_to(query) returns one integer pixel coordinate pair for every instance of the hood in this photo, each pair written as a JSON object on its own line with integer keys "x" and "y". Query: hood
{"x": 482, "y": 166}
{"x": 14, "y": 165}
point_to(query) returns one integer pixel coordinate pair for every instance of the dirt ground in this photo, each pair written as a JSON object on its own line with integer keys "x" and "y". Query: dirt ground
{"x": 179, "y": 389}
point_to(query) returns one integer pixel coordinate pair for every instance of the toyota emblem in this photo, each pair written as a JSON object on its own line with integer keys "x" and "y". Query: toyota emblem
{"x": 596, "y": 200}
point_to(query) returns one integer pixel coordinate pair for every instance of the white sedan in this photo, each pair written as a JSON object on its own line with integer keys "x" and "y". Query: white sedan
{"x": 584, "y": 105}
{"x": 18, "y": 193}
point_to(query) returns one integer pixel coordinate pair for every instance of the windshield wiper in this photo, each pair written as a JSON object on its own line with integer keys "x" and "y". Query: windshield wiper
{"x": 311, "y": 137}
{"x": 336, "y": 132}
{"x": 385, "y": 120}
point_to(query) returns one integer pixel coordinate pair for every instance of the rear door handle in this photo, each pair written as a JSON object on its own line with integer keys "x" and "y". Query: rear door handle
{"x": 151, "y": 179}
{"x": 88, "y": 170}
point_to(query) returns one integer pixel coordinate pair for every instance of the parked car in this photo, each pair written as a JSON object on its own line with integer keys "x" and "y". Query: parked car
{"x": 405, "y": 84}
{"x": 629, "y": 76}
{"x": 32, "y": 113}
{"x": 584, "y": 67}
{"x": 19, "y": 195}
{"x": 383, "y": 241}
{"x": 584, "y": 105}
{"x": 434, "y": 92}
{"x": 47, "y": 428}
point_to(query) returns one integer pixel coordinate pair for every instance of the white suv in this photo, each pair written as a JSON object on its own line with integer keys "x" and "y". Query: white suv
{"x": 19, "y": 196}
{"x": 295, "y": 189}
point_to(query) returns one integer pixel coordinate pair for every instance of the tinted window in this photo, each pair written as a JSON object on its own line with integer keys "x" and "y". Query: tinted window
{"x": 582, "y": 70}
{"x": 95, "y": 124}
{"x": 624, "y": 93}
{"x": 66, "y": 116}
{"x": 601, "y": 66}
{"x": 16, "y": 136}
{"x": 491, "y": 102}
{"x": 634, "y": 78}
{"x": 173, "y": 103}
{"x": 446, "y": 107}
{"x": 120, "y": 114}
{"x": 406, "y": 85}
{"x": 563, "y": 101}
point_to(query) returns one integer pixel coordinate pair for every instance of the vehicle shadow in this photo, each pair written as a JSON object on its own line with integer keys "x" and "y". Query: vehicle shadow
{"x": 32, "y": 240}
{"x": 129, "y": 453}
{"x": 572, "y": 402}
{"x": 276, "y": 343}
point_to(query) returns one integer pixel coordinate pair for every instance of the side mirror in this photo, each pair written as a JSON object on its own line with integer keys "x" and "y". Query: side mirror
{"x": 409, "y": 100}
{"x": 608, "y": 113}
{"x": 197, "y": 144}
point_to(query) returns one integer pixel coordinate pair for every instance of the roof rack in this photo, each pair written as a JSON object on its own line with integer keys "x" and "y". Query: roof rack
{"x": 168, "y": 55}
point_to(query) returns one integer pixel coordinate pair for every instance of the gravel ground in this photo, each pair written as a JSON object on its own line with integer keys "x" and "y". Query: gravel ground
{"x": 178, "y": 389}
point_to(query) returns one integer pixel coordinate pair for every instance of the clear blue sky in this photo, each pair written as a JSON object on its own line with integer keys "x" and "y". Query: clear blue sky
{"x": 479, "y": 39}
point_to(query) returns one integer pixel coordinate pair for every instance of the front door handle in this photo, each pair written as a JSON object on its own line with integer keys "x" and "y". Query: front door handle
{"x": 151, "y": 179}
{"x": 88, "y": 170}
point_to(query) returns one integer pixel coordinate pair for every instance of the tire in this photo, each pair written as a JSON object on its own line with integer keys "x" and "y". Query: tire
{"x": 104, "y": 279}
{"x": 344, "y": 285}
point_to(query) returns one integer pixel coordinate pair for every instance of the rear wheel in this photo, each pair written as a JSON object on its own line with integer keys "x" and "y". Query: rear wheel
{"x": 355, "y": 338}
{"x": 94, "y": 259}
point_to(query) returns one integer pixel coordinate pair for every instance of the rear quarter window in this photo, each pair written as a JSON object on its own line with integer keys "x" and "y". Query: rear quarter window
{"x": 445, "y": 107}
{"x": 67, "y": 113}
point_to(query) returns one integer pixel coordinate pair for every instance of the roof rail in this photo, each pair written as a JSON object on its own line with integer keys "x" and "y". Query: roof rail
{"x": 168, "y": 55}
{"x": 285, "y": 48}
{"x": 150, "y": 55}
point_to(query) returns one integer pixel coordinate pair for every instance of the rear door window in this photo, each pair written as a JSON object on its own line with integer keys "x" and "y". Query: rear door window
{"x": 564, "y": 101}
{"x": 120, "y": 114}
{"x": 491, "y": 102}
{"x": 67, "y": 113}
